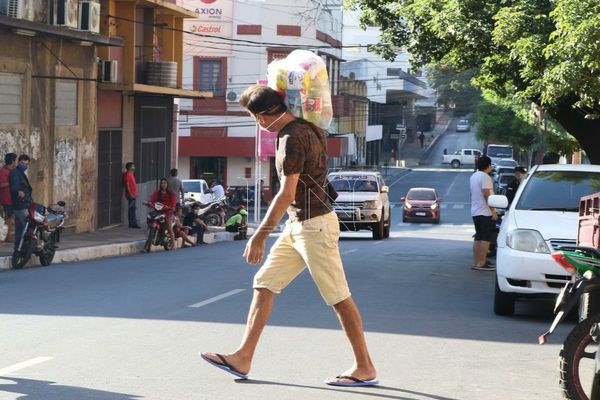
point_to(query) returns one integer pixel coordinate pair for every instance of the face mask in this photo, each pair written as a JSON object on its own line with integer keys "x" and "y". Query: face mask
{"x": 266, "y": 128}
{"x": 22, "y": 167}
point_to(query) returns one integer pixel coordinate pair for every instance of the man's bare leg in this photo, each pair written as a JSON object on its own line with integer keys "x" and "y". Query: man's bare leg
{"x": 260, "y": 311}
{"x": 480, "y": 248}
{"x": 351, "y": 321}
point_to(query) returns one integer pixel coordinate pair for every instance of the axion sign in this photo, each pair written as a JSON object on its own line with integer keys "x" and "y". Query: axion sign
{"x": 213, "y": 9}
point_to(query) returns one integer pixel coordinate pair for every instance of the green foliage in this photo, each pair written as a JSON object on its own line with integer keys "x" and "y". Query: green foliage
{"x": 454, "y": 89}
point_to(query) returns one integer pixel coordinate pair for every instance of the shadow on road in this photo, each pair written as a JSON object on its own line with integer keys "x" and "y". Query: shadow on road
{"x": 32, "y": 389}
{"x": 370, "y": 392}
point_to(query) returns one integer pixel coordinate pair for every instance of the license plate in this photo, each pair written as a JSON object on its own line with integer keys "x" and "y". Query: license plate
{"x": 420, "y": 214}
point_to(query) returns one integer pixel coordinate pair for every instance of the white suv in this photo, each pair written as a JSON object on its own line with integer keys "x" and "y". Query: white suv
{"x": 542, "y": 217}
{"x": 362, "y": 202}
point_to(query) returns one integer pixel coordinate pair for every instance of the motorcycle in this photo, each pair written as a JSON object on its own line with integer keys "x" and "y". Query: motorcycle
{"x": 213, "y": 213}
{"x": 157, "y": 227}
{"x": 40, "y": 235}
{"x": 582, "y": 342}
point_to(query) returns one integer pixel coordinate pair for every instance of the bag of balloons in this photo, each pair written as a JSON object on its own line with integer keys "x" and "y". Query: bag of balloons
{"x": 302, "y": 78}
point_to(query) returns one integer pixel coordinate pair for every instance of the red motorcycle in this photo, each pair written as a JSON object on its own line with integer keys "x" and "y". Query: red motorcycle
{"x": 158, "y": 234}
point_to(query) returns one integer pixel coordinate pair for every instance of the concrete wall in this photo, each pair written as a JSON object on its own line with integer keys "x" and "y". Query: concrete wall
{"x": 64, "y": 158}
{"x": 236, "y": 171}
{"x": 183, "y": 167}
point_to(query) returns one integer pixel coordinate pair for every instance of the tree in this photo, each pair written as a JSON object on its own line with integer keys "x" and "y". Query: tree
{"x": 540, "y": 51}
{"x": 454, "y": 89}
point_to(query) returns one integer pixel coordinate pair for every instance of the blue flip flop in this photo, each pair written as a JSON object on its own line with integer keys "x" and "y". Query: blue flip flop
{"x": 224, "y": 365}
{"x": 355, "y": 381}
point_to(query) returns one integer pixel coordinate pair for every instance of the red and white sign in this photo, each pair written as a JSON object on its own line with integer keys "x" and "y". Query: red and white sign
{"x": 214, "y": 19}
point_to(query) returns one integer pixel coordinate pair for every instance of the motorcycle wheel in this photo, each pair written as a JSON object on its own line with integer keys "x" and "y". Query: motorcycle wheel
{"x": 212, "y": 219}
{"x": 47, "y": 254}
{"x": 20, "y": 258}
{"x": 577, "y": 348}
{"x": 148, "y": 244}
{"x": 167, "y": 243}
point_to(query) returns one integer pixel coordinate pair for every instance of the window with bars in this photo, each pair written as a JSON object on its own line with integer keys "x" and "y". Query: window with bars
{"x": 211, "y": 76}
{"x": 66, "y": 103}
{"x": 11, "y": 97}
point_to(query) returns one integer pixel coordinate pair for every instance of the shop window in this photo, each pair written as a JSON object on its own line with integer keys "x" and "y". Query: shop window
{"x": 211, "y": 76}
{"x": 11, "y": 97}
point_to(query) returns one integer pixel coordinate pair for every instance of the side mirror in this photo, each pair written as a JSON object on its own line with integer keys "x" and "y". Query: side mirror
{"x": 385, "y": 189}
{"x": 402, "y": 198}
{"x": 498, "y": 201}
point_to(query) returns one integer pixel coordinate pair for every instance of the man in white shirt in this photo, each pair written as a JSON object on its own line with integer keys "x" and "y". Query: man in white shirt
{"x": 483, "y": 215}
{"x": 217, "y": 190}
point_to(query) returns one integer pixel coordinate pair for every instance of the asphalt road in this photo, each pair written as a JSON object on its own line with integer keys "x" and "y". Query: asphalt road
{"x": 132, "y": 327}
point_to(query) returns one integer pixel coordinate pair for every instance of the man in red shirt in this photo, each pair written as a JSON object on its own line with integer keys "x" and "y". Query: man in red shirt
{"x": 10, "y": 162}
{"x": 131, "y": 194}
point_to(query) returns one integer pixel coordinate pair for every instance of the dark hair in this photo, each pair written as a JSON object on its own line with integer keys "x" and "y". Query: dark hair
{"x": 23, "y": 157}
{"x": 9, "y": 158}
{"x": 521, "y": 170}
{"x": 174, "y": 172}
{"x": 259, "y": 99}
{"x": 128, "y": 165}
{"x": 551, "y": 158}
{"x": 483, "y": 163}
{"x": 161, "y": 181}
{"x": 196, "y": 205}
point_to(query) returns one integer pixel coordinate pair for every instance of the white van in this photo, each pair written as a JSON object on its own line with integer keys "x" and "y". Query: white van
{"x": 542, "y": 217}
{"x": 197, "y": 190}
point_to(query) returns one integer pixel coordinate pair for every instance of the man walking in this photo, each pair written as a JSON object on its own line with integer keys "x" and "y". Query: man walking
{"x": 176, "y": 186}
{"x": 21, "y": 195}
{"x": 310, "y": 238}
{"x": 511, "y": 188}
{"x": 10, "y": 162}
{"x": 483, "y": 215}
{"x": 131, "y": 193}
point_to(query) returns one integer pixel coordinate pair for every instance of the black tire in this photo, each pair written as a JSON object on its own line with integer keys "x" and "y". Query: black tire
{"x": 212, "y": 219}
{"x": 386, "y": 228}
{"x": 504, "y": 303}
{"x": 571, "y": 354}
{"x": 149, "y": 240}
{"x": 168, "y": 243}
{"x": 20, "y": 258}
{"x": 589, "y": 304}
{"x": 404, "y": 220}
{"x": 455, "y": 164}
{"x": 378, "y": 229}
{"x": 47, "y": 254}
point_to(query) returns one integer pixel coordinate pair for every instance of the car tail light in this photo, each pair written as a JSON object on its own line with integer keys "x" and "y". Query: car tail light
{"x": 564, "y": 262}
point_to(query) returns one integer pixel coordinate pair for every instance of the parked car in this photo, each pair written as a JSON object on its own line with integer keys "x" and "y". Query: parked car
{"x": 197, "y": 190}
{"x": 501, "y": 181}
{"x": 542, "y": 217}
{"x": 463, "y": 126}
{"x": 460, "y": 157}
{"x": 362, "y": 202}
{"x": 421, "y": 204}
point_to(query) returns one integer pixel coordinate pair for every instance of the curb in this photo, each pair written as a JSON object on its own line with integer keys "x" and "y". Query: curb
{"x": 110, "y": 250}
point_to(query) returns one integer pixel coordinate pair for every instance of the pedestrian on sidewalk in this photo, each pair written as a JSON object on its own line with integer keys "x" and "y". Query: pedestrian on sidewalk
{"x": 10, "y": 162}
{"x": 21, "y": 194}
{"x": 176, "y": 186}
{"x": 421, "y": 139}
{"x": 310, "y": 238}
{"x": 195, "y": 224}
{"x": 131, "y": 193}
{"x": 483, "y": 216}
{"x": 238, "y": 223}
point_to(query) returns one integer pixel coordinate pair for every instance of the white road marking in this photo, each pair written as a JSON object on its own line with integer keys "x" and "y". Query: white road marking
{"x": 443, "y": 205}
{"x": 216, "y": 298}
{"x": 22, "y": 365}
{"x": 378, "y": 242}
{"x": 459, "y": 205}
{"x": 350, "y": 251}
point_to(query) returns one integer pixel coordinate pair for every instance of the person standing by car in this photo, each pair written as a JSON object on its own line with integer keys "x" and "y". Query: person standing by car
{"x": 195, "y": 224}
{"x": 310, "y": 239}
{"x": 131, "y": 193}
{"x": 511, "y": 188}
{"x": 217, "y": 189}
{"x": 10, "y": 162}
{"x": 237, "y": 223}
{"x": 483, "y": 216}
{"x": 176, "y": 186}
{"x": 21, "y": 194}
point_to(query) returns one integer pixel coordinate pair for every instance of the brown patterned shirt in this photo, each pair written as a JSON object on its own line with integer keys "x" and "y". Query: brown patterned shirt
{"x": 302, "y": 149}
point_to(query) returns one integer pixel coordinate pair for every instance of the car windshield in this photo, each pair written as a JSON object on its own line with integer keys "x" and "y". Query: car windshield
{"x": 506, "y": 178}
{"x": 499, "y": 152}
{"x": 507, "y": 163}
{"x": 462, "y": 122}
{"x": 558, "y": 190}
{"x": 192, "y": 186}
{"x": 506, "y": 170}
{"x": 421, "y": 195}
{"x": 354, "y": 184}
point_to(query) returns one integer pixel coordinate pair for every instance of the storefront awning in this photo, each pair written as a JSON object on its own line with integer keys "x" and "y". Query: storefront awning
{"x": 133, "y": 88}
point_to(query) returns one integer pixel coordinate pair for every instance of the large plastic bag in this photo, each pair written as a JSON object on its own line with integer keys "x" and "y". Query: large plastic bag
{"x": 302, "y": 78}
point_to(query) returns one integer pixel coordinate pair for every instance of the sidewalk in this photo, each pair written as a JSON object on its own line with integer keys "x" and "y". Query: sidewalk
{"x": 117, "y": 241}
{"x": 412, "y": 153}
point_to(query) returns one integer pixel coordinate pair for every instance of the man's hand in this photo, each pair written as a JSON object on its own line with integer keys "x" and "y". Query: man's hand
{"x": 21, "y": 194}
{"x": 494, "y": 214}
{"x": 255, "y": 249}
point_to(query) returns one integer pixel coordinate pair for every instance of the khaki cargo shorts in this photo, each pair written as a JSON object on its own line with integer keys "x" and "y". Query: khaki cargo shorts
{"x": 314, "y": 244}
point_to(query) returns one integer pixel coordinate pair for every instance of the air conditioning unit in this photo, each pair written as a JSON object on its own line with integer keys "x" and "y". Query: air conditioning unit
{"x": 89, "y": 16}
{"x": 31, "y": 10}
{"x": 65, "y": 13}
{"x": 232, "y": 96}
{"x": 107, "y": 71}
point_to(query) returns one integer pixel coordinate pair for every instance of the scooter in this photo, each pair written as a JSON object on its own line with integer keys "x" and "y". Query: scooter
{"x": 40, "y": 235}
{"x": 582, "y": 343}
{"x": 158, "y": 234}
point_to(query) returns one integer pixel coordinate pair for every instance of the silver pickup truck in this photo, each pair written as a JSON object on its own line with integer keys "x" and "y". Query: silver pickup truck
{"x": 460, "y": 157}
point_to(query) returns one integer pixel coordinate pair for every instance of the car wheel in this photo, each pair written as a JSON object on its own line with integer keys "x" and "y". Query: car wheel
{"x": 455, "y": 163}
{"x": 504, "y": 303}
{"x": 378, "y": 229}
{"x": 386, "y": 228}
